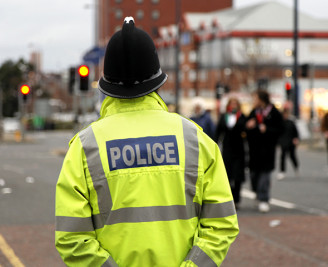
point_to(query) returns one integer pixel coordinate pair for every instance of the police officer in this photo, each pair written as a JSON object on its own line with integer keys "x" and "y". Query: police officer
{"x": 142, "y": 186}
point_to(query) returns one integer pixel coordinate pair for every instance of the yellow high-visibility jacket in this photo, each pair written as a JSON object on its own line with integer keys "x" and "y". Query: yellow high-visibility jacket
{"x": 142, "y": 187}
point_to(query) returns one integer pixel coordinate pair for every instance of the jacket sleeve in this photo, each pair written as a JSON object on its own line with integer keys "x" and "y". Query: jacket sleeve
{"x": 75, "y": 237}
{"x": 218, "y": 224}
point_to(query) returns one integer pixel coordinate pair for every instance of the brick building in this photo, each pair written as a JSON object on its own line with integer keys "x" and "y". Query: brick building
{"x": 148, "y": 14}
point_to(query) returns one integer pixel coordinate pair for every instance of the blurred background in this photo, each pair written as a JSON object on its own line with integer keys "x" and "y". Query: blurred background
{"x": 210, "y": 49}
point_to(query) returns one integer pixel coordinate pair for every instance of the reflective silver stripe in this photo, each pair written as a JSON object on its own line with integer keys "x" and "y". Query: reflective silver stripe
{"x": 74, "y": 224}
{"x": 109, "y": 263}
{"x": 218, "y": 210}
{"x": 150, "y": 214}
{"x": 199, "y": 257}
{"x": 144, "y": 214}
{"x": 96, "y": 170}
{"x": 191, "y": 162}
{"x": 128, "y": 215}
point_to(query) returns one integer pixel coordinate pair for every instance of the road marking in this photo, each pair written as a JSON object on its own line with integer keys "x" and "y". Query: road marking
{"x": 6, "y": 190}
{"x": 29, "y": 180}
{"x": 284, "y": 204}
{"x": 9, "y": 253}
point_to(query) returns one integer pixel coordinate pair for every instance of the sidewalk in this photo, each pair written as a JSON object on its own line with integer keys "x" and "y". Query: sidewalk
{"x": 264, "y": 241}
{"x": 280, "y": 241}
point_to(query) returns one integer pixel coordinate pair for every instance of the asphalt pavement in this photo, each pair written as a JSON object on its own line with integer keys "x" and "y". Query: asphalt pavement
{"x": 293, "y": 233}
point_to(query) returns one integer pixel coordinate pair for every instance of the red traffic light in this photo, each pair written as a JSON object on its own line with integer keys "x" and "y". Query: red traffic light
{"x": 83, "y": 71}
{"x": 288, "y": 86}
{"x": 25, "y": 89}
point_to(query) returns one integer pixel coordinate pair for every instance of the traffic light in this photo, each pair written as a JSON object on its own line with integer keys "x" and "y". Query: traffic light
{"x": 84, "y": 77}
{"x": 288, "y": 88}
{"x": 71, "y": 80}
{"x": 25, "y": 91}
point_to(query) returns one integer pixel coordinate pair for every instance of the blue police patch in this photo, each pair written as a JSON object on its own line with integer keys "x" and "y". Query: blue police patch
{"x": 142, "y": 152}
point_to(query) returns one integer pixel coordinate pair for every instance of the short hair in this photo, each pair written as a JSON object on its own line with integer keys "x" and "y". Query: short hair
{"x": 263, "y": 96}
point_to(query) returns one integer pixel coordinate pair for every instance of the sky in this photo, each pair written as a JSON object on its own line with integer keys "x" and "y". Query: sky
{"x": 63, "y": 30}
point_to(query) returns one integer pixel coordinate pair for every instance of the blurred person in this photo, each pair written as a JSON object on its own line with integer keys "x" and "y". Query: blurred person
{"x": 202, "y": 117}
{"x": 264, "y": 126}
{"x": 142, "y": 186}
{"x": 231, "y": 129}
{"x": 288, "y": 142}
{"x": 324, "y": 129}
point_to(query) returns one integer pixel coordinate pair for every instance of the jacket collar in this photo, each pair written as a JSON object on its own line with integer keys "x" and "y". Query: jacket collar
{"x": 111, "y": 105}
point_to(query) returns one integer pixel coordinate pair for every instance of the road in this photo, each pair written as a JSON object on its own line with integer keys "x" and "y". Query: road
{"x": 293, "y": 233}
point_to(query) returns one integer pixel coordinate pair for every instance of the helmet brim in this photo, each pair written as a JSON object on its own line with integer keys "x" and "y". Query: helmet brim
{"x": 136, "y": 90}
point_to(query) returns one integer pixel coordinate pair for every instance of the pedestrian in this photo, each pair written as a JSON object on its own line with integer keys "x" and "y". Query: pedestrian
{"x": 141, "y": 186}
{"x": 202, "y": 117}
{"x": 288, "y": 142}
{"x": 264, "y": 126}
{"x": 231, "y": 129}
{"x": 324, "y": 129}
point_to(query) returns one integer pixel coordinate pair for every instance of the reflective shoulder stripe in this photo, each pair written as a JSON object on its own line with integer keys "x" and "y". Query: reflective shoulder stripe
{"x": 96, "y": 170}
{"x": 109, "y": 263}
{"x": 199, "y": 257}
{"x": 74, "y": 224}
{"x": 191, "y": 160}
{"x": 218, "y": 210}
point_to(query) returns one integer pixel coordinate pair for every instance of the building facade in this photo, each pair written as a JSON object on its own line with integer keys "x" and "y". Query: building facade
{"x": 243, "y": 49}
{"x": 148, "y": 14}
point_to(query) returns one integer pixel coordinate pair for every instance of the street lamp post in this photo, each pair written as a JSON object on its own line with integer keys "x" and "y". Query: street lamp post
{"x": 177, "y": 52}
{"x": 295, "y": 70}
{"x": 96, "y": 20}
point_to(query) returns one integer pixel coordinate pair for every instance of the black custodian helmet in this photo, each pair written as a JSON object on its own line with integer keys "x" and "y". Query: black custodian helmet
{"x": 131, "y": 64}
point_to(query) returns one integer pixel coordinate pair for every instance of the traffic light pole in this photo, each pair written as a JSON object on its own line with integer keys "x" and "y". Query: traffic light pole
{"x": 21, "y": 105}
{"x": 295, "y": 53}
{"x": 177, "y": 52}
{"x": 76, "y": 104}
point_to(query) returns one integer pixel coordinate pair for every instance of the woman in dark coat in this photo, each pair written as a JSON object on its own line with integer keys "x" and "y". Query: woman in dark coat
{"x": 264, "y": 126}
{"x": 231, "y": 129}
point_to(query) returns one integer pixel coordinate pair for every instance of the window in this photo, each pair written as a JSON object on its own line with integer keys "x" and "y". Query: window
{"x": 140, "y": 14}
{"x": 185, "y": 38}
{"x": 192, "y": 75}
{"x": 155, "y": 1}
{"x": 155, "y": 14}
{"x": 139, "y": 1}
{"x": 118, "y": 13}
{"x": 192, "y": 56}
{"x": 118, "y": 1}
